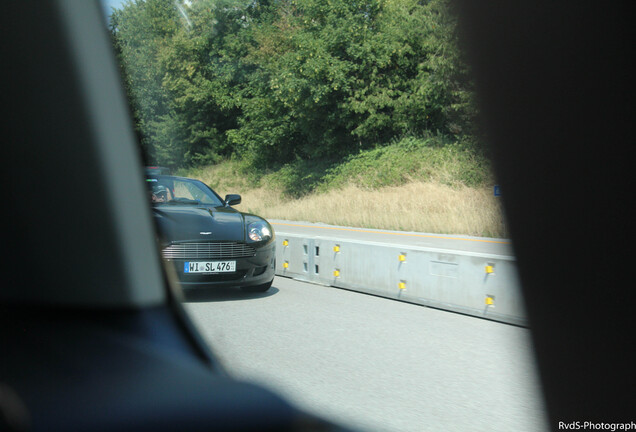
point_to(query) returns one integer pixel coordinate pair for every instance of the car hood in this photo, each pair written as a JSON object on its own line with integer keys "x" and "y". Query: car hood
{"x": 194, "y": 223}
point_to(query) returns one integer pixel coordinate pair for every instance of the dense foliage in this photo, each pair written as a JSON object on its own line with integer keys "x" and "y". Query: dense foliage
{"x": 274, "y": 81}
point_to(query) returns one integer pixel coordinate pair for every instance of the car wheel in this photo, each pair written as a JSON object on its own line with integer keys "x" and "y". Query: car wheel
{"x": 258, "y": 288}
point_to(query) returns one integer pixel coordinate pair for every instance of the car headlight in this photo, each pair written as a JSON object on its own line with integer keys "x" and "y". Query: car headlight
{"x": 259, "y": 231}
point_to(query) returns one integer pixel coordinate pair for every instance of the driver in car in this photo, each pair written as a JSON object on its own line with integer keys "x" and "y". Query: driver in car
{"x": 159, "y": 194}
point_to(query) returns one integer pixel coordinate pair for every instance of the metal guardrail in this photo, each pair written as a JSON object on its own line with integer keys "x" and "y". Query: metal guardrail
{"x": 478, "y": 284}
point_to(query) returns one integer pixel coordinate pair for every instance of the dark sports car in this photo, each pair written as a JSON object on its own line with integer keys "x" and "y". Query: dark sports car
{"x": 208, "y": 242}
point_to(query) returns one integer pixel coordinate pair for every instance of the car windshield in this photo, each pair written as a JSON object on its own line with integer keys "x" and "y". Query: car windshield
{"x": 348, "y": 129}
{"x": 175, "y": 191}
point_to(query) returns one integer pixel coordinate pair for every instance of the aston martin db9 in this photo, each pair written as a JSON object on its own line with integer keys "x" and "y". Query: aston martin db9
{"x": 208, "y": 242}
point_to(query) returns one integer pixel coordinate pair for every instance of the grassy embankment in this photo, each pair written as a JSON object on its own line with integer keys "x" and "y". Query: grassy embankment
{"x": 409, "y": 185}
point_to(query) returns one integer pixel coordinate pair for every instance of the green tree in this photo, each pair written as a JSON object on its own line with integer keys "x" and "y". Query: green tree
{"x": 141, "y": 30}
{"x": 204, "y": 71}
{"x": 273, "y": 81}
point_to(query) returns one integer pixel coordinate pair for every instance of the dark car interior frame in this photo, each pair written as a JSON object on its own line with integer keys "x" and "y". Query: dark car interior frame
{"x": 93, "y": 337}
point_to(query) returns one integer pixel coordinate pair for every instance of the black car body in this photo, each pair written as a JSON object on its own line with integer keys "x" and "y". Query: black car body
{"x": 206, "y": 241}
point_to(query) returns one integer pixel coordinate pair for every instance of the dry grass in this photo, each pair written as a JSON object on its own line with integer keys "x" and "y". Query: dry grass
{"x": 430, "y": 207}
{"x": 420, "y": 207}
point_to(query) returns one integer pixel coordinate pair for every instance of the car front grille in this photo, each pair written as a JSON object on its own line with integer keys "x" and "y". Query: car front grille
{"x": 208, "y": 250}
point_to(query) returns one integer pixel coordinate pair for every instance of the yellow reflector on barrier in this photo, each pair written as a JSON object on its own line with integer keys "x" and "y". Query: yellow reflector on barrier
{"x": 402, "y": 258}
{"x": 336, "y": 248}
{"x": 490, "y": 269}
{"x": 402, "y": 285}
{"x": 336, "y": 273}
{"x": 490, "y": 300}
{"x": 285, "y": 265}
{"x": 285, "y": 243}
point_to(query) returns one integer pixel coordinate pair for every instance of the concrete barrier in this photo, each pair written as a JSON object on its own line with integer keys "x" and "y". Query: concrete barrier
{"x": 479, "y": 284}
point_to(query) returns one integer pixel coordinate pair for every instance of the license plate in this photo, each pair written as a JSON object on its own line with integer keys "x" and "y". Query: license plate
{"x": 209, "y": 267}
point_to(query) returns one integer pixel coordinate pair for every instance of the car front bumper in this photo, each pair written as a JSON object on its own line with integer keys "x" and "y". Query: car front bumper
{"x": 250, "y": 271}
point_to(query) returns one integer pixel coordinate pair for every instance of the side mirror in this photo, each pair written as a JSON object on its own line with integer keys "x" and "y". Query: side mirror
{"x": 232, "y": 199}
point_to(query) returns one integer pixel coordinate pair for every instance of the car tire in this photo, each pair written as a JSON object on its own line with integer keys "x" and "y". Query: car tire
{"x": 258, "y": 288}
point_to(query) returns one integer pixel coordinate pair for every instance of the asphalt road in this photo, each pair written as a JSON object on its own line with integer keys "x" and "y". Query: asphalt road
{"x": 449, "y": 242}
{"x": 372, "y": 363}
